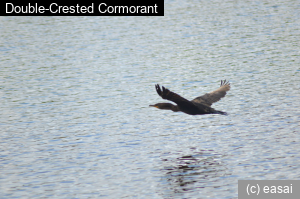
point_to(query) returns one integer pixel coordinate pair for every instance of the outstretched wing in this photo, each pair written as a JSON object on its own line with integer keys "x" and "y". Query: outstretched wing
{"x": 212, "y": 97}
{"x": 169, "y": 95}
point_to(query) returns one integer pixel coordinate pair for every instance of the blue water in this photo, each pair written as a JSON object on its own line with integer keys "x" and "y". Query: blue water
{"x": 75, "y": 92}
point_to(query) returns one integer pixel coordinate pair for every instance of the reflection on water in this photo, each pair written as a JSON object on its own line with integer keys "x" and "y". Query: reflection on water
{"x": 74, "y": 96}
{"x": 197, "y": 171}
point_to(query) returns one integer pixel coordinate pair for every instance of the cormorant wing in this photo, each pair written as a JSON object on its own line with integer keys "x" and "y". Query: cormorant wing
{"x": 169, "y": 95}
{"x": 214, "y": 96}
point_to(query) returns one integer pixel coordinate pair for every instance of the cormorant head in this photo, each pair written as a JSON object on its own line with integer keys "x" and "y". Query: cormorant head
{"x": 166, "y": 106}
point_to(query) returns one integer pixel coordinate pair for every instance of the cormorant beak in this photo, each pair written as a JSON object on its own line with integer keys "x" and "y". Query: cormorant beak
{"x": 153, "y": 106}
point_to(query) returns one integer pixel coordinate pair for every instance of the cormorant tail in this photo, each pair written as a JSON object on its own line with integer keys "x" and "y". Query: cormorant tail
{"x": 220, "y": 112}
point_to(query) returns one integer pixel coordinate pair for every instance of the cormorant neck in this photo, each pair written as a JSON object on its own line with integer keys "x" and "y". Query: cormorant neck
{"x": 169, "y": 106}
{"x": 166, "y": 106}
{"x": 174, "y": 108}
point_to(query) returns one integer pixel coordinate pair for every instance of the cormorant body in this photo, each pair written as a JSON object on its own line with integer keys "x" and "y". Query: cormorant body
{"x": 199, "y": 106}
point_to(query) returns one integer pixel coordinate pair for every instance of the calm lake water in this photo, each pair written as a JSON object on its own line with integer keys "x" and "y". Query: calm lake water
{"x": 75, "y": 92}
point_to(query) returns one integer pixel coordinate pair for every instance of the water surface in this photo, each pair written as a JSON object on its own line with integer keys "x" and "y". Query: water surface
{"x": 75, "y": 92}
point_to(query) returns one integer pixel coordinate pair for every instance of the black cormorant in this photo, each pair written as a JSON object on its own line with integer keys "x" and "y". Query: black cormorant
{"x": 198, "y": 106}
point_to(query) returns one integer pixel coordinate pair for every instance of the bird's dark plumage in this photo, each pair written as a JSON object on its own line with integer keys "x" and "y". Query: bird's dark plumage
{"x": 198, "y": 106}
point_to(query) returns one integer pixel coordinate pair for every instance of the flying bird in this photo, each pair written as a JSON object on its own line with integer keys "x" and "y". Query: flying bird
{"x": 199, "y": 106}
